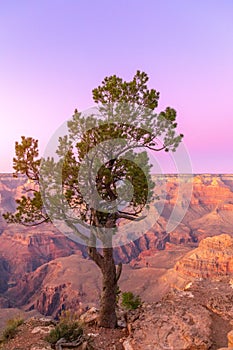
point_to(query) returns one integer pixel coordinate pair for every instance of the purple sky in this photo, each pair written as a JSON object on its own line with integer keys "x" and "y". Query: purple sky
{"x": 53, "y": 53}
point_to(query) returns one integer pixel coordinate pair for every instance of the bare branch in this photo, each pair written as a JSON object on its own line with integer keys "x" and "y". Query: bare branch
{"x": 129, "y": 216}
{"x": 118, "y": 271}
{"x": 93, "y": 252}
{"x": 34, "y": 224}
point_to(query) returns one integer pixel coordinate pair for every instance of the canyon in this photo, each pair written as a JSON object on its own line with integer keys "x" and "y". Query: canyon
{"x": 43, "y": 271}
{"x": 197, "y": 311}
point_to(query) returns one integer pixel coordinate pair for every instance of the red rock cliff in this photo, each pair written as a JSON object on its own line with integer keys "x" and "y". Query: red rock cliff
{"x": 213, "y": 258}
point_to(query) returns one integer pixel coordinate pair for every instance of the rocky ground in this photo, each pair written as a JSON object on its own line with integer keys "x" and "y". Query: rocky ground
{"x": 198, "y": 318}
{"x": 31, "y": 336}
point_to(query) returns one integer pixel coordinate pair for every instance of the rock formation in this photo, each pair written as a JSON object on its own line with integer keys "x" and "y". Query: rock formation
{"x": 199, "y": 316}
{"x": 75, "y": 282}
{"x": 23, "y": 249}
{"x": 65, "y": 283}
{"x": 187, "y": 320}
{"x": 212, "y": 259}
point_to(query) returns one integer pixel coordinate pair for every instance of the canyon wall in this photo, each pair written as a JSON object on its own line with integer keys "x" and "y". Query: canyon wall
{"x": 28, "y": 255}
{"x": 212, "y": 259}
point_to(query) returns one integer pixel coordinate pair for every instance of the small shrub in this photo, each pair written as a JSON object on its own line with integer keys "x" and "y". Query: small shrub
{"x": 68, "y": 327}
{"x": 11, "y": 328}
{"x": 130, "y": 301}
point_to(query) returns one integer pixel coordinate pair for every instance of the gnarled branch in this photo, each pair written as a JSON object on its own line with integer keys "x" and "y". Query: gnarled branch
{"x": 118, "y": 271}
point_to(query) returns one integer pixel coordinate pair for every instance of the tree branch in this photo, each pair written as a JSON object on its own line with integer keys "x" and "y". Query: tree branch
{"x": 118, "y": 272}
{"x": 74, "y": 228}
{"x": 129, "y": 217}
{"x": 96, "y": 256}
{"x": 93, "y": 252}
{"x": 37, "y": 223}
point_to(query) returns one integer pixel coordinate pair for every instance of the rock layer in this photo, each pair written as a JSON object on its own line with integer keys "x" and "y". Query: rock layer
{"x": 213, "y": 258}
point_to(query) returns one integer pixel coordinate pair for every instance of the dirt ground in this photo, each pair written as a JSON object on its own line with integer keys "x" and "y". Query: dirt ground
{"x": 101, "y": 338}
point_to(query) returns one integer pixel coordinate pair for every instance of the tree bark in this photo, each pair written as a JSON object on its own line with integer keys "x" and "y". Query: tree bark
{"x": 108, "y": 318}
{"x": 110, "y": 276}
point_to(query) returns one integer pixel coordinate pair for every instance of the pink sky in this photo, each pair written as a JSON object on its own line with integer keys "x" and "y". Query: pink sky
{"x": 53, "y": 53}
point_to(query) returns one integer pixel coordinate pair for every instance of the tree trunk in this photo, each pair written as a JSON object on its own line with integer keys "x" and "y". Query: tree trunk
{"x": 107, "y": 316}
{"x": 110, "y": 277}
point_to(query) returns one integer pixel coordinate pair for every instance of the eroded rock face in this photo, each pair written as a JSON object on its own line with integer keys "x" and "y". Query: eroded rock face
{"x": 4, "y": 275}
{"x": 65, "y": 283}
{"x": 210, "y": 213}
{"x": 75, "y": 282}
{"x": 213, "y": 258}
{"x": 198, "y": 318}
{"x": 22, "y": 249}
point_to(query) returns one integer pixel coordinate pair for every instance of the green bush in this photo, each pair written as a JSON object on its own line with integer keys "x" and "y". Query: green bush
{"x": 130, "y": 301}
{"x": 68, "y": 327}
{"x": 11, "y": 328}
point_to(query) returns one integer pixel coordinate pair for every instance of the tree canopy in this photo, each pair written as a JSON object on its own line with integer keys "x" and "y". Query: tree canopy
{"x": 99, "y": 173}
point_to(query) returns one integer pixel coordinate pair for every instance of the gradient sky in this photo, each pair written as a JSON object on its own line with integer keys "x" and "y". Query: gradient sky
{"x": 54, "y": 52}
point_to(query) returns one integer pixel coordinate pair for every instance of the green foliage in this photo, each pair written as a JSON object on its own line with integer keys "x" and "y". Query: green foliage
{"x": 126, "y": 113}
{"x": 130, "y": 301}
{"x": 68, "y": 327}
{"x": 26, "y": 159}
{"x": 11, "y": 328}
{"x": 29, "y": 209}
{"x": 100, "y": 172}
{"x": 114, "y": 89}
